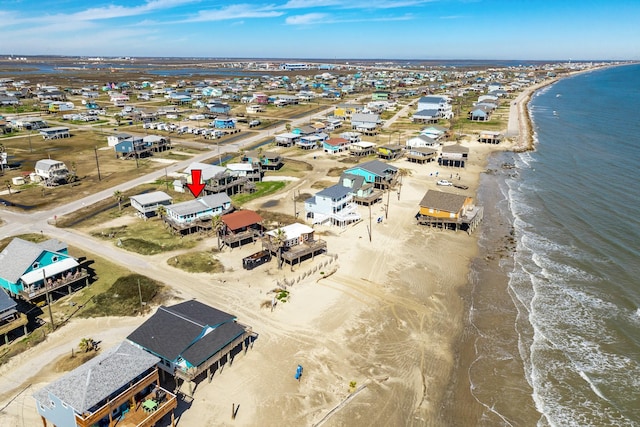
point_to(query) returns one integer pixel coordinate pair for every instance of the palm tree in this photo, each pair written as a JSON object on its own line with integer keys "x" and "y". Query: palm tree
{"x": 218, "y": 226}
{"x": 278, "y": 241}
{"x": 402, "y": 172}
{"x": 73, "y": 174}
{"x": 118, "y": 196}
{"x": 87, "y": 344}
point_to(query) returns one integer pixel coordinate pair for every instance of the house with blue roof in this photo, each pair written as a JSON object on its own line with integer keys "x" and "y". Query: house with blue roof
{"x": 30, "y": 270}
{"x": 132, "y": 147}
{"x": 224, "y": 123}
{"x": 333, "y": 205}
{"x": 219, "y": 107}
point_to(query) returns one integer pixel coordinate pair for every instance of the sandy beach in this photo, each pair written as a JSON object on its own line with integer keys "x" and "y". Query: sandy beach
{"x": 388, "y": 315}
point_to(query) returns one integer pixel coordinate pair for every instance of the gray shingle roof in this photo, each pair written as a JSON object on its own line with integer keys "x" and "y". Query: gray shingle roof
{"x": 6, "y": 303}
{"x": 153, "y": 197}
{"x": 18, "y": 256}
{"x": 357, "y": 180}
{"x": 200, "y": 205}
{"x": 426, "y": 113}
{"x": 455, "y": 148}
{"x": 91, "y": 383}
{"x": 376, "y": 167}
{"x": 335, "y": 192}
{"x": 174, "y": 331}
{"x": 365, "y": 118}
{"x": 442, "y": 201}
{"x": 212, "y": 343}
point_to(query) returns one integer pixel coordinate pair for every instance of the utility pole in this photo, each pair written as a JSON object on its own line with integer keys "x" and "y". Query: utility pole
{"x": 370, "y": 229}
{"x": 166, "y": 179}
{"x": 44, "y": 282}
{"x": 95, "y": 149}
{"x": 386, "y": 208}
{"x": 140, "y": 294}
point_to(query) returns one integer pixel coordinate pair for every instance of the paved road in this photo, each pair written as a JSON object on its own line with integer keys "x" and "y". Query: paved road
{"x": 402, "y": 112}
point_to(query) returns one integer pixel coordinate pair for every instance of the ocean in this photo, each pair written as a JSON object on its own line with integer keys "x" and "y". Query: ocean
{"x": 554, "y": 336}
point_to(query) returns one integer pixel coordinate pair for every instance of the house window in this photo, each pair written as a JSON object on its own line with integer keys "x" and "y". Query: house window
{"x": 35, "y": 265}
{"x": 52, "y": 404}
{"x": 54, "y": 258}
{"x": 64, "y": 405}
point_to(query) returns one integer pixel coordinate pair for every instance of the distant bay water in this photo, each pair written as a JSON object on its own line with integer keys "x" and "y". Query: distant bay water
{"x": 569, "y": 354}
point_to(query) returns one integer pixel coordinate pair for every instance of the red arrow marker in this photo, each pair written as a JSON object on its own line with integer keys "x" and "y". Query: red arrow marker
{"x": 196, "y": 186}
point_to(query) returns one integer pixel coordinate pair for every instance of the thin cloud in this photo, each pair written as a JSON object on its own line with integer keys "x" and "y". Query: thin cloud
{"x": 321, "y": 18}
{"x": 307, "y": 19}
{"x": 238, "y": 11}
{"x": 111, "y": 11}
{"x": 361, "y": 4}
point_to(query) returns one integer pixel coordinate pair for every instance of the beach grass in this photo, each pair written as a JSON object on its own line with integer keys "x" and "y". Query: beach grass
{"x": 197, "y": 262}
{"x": 292, "y": 167}
{"x": 145, "y": 237}
{"x": 128, "y": 295}
{"x": 264, "y": 188}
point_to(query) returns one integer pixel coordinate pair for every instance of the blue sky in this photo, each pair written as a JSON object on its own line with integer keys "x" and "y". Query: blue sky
{"x": 332, "y": 29}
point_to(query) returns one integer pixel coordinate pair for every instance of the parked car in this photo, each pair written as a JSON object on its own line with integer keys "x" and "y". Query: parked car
{"x": 444, "y": 182}
{"x": 254, "y": 123}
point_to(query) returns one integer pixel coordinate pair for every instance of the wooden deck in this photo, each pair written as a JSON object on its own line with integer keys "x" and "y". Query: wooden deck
{"x": 192, "y": 373}
{"x": 20, "y": 320}
{"x": 136, "y": 415}
{"x": 230, "y": 187}
{"x": 238, "y": 238}
{"x": 469, "y": 222}
{"x": 71, "y": 282}
{"x": 298, "y": 252}
{"x": 139, "y": 417}
{"x": 374, "y": 198}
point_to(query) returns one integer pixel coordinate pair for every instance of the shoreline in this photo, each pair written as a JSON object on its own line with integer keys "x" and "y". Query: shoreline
{"x": 489, "y": 276}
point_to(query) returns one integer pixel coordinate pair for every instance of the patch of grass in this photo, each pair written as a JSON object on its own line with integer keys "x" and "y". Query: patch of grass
{"x": 68, "y": 363}
{"x": 272, "y": 218}
{"x": 282, "y": 295}
{"x": 292, "y": 167}
{"x": 145, "y": 237}
{"x": 262, "y": 189}
{"x": 123, "y": 297}
{"x": 337, "y": 171}
{"x": 197, "y": 262}
{"x": 322, "y": 184}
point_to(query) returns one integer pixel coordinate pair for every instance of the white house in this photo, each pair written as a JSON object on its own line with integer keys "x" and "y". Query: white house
{"x": 51, "y": 170}
{"x": 147, "y": 204}
{"x": 295, "y": 234}
{"x": 333, "y": 205}
{"x": 422, "y": 141}
{"x": 203, "y": 208}
{"x": 439, "y": 103}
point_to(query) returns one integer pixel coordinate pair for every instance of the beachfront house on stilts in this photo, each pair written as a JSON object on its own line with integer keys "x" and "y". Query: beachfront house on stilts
{"x": 192, "y": 340}
{"x": 119, "y": 387}
{"x": 449, "y": 211}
